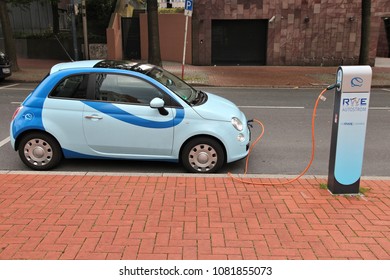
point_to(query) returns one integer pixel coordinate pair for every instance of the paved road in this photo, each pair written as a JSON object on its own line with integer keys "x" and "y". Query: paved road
{"x": 284, "y": 149}
{"x": 286, "y": 113}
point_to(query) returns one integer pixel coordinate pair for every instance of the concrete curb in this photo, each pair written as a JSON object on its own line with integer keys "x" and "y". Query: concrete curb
{"x": 189, "y": 175}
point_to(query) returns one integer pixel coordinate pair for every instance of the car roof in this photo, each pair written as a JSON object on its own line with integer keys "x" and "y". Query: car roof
{"x": 74, "y": 64}
{"x": 99, "y": 63}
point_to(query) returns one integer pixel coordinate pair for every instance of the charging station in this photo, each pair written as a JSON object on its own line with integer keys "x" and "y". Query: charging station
{"x": 352, "y": 95}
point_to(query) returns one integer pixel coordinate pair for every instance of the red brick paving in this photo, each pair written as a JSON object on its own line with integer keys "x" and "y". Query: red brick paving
{"x": 138, "y": 217}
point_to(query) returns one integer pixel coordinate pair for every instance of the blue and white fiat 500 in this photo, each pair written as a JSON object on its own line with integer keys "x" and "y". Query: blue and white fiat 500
{"x": 108, "y": 109}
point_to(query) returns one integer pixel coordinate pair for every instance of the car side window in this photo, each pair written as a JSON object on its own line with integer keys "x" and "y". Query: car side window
{"x": 121, "y": 88}
{"x": 74, "y": 87}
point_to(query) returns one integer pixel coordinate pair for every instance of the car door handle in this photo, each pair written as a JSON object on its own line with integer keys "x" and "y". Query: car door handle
{"x": 93, "y": 117}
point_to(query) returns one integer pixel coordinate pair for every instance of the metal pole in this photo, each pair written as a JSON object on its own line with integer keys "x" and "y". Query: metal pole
{"x": 185, "y": 47}
{"x": 74, "y": 31}
{"x": 85, "y": 29}
{"x": 62, "y": 46}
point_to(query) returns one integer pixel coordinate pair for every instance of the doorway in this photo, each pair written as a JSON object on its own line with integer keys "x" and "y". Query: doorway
{"x": 131, "y": 42}
{"x": 239, "y": 42}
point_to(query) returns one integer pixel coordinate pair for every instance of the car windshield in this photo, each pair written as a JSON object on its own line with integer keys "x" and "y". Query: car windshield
{"x": 178, "y": 86}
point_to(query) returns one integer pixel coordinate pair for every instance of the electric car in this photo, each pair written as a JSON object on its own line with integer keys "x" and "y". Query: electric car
{"x": 106, "y": 109}
{"x": 5, "y": 66}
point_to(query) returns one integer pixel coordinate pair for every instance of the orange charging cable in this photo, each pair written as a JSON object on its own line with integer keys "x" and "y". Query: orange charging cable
{"x": 313, "y": 140}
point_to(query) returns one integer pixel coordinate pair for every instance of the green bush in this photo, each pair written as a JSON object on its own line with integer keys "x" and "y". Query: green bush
{"x": 171, "y": 11}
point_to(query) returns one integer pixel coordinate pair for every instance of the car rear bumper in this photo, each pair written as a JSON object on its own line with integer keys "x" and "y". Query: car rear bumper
{"x": 5, "y": 71}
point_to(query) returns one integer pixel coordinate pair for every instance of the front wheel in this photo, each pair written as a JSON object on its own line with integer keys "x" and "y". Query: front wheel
{"x": 40, "y": 151}
{"x": 203, "y": 155}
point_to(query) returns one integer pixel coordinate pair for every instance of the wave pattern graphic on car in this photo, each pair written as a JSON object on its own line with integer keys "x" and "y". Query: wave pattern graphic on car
{"x": 119, "y": 114}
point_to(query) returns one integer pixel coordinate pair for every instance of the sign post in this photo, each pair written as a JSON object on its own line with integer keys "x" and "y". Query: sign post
{"x": 85, "y": 28}
{"x": 187, "y": 13}
{"x": 349, "y": 128}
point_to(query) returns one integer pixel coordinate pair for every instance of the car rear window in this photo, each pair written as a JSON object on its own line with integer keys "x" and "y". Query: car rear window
{"x": 74, "y": 87}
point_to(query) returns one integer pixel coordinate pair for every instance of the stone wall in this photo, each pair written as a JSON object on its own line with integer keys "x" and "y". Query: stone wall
{"x": 301, "y": 32}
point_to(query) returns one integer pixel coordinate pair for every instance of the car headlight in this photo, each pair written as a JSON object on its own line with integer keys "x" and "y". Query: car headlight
{"x": 237, "y": 124}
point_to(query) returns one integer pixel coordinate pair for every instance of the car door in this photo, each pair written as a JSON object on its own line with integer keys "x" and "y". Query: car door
{"x": 62, "y": 112}
{"x": 120, "y": 123}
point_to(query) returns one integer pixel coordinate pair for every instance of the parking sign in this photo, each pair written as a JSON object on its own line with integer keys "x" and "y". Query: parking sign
{"x": 188, "y": 8}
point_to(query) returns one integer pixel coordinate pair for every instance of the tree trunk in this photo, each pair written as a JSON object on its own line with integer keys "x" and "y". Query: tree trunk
{"x": 364, "y": 58}
{"x": 54, "y": 9}
{"x": 9, "y": 42}
{"x": 153, "y": 33}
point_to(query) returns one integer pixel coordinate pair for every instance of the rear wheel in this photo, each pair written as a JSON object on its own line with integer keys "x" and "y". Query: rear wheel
{"x": 203, "y": 155}
{"x": 40, "y": 151}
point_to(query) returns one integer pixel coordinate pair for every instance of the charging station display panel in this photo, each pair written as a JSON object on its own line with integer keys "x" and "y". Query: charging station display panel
{"x": 351, "y": 137}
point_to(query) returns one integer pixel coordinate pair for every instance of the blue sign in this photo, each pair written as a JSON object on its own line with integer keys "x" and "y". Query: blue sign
{"x": 188, "y": 8}
{"x": 188, "y": 5}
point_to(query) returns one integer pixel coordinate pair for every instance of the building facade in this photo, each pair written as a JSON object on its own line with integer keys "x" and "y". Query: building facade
{"x": 283, "y": 32}
{"x": 171, "y": 3}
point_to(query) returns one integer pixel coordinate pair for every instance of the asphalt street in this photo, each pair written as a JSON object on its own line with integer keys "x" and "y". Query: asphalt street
{"x": 284, "y": 149}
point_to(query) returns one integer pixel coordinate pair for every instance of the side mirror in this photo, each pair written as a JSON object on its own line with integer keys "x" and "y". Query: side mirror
{"x": 158, "y": 103}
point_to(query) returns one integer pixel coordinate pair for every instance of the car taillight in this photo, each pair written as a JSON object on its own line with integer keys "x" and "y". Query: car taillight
{"x": 16, "y": 112}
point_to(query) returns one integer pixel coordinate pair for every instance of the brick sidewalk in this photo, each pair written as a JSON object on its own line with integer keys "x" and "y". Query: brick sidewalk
{"x": 138, "y": 217}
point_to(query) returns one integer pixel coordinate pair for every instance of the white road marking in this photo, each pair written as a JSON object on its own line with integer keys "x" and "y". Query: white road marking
{"x": 9, "y": 86}
{"x": 19, "y": 88}
{"x": 13, "y": 87}
{"x": 379, "y": 108}
{"x": 271, "y": 107}
{"x": 5, "y": 141}
{"x": 385, "y": 89}
{"x": 296, "y": 107}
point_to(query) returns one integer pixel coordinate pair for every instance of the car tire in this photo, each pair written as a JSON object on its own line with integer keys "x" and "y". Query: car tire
{"x": 203, "y": 155}
{"x": 40, "y": 151}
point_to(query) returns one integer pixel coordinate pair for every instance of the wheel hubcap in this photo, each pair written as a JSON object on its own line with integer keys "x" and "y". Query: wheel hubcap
{"x": 203, "y": 157}
{"x": 38, "y": 152}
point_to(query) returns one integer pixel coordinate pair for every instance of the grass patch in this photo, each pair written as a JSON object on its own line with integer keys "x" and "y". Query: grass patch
{"x": 364, "y": 190}
{"x": 323, "y": 186}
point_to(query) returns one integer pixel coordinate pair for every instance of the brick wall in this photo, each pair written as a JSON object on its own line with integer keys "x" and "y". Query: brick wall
{"x": 303, "y": 32}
